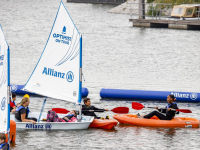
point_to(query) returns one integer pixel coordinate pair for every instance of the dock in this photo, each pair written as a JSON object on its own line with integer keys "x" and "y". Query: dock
{"x": 112, "y": 2}
{"x": 160, "y": 15}
{"x": 173, "y": 24}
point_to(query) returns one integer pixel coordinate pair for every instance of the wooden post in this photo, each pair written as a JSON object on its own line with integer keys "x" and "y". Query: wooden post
{"x": 141, "y": 9}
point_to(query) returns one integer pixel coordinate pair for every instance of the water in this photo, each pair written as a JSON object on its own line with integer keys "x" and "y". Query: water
{"x": 115, "y": 55}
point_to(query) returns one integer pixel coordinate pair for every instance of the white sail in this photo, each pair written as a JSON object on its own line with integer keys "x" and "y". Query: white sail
{"x": 4, "y": 112}
{"x": 57, "y": 73}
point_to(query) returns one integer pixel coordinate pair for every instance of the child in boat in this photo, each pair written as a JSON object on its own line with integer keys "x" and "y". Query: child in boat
{"x": 3, "y": 145}
{"x": 87, "y": 107}
{"x": 71, "y": 116}
{"x": 168, "y": 110}
{"x": 12, "y": 103}
{"x": 53, "y": 117}
{"x": 22, "y": 111}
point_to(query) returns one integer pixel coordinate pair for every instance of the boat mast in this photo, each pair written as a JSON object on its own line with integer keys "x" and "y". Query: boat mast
{"x": 80, "y": 82}
{"x": 8, "y": 94}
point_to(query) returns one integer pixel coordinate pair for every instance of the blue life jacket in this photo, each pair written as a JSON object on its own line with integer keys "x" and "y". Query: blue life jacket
{"x": 70, "y": 115}
{"x": 169, "y": 104}
{"x": 2, "y": 145}
{"x": 20, "y": 107}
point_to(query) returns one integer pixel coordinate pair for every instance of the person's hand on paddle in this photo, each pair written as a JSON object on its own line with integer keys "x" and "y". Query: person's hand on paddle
{"x": 106, "y": 109}
{"x": 168, "y": 109}
{"x": 156, "y": 108}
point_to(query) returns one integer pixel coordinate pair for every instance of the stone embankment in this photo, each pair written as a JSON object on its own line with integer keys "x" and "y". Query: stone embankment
{"x": 131, "y": 6}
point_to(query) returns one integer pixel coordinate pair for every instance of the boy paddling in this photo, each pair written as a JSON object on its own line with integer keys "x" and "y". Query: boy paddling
{"x": 87, "y": 107}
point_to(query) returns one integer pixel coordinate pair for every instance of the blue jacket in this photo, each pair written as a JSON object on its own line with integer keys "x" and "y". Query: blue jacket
{"x": 170, "y": 113}
{"x": 17, "y": 113}
{"x": 20, "y": 107}
{"x": 3, "y": 144}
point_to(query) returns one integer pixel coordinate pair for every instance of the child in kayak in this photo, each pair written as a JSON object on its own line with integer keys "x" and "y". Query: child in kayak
{"x": 87, "y": 107}
{"x": 3, "y": 145}
{"x": 168, "y": 110}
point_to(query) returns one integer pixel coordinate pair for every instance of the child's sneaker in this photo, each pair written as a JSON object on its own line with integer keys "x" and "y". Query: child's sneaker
{"x": 107, "y": 117}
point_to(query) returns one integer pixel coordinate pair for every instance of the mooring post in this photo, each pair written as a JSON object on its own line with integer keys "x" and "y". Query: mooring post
{"x": 141, "y": 9}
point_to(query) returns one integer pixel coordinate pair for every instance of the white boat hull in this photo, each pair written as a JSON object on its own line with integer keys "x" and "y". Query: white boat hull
{"x": 43, "y": 125}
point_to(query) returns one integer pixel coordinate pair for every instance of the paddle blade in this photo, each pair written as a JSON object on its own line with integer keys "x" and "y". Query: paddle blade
{"x": 137, "y": 106}
{"x": 121, "y": 110}
{"x": 60, "y": 110}
{"x": 184, "y": 110}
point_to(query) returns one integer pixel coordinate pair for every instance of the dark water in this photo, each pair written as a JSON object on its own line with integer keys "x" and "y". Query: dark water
{"x": 115, "y": 55}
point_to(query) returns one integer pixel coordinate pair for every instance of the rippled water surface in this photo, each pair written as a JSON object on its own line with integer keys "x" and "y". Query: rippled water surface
{"x": 115, "y": 55}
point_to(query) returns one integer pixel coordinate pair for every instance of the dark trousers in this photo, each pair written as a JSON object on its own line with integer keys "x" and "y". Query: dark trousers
{"x": 159, "y": 115}
{"x": 33, "y": 119}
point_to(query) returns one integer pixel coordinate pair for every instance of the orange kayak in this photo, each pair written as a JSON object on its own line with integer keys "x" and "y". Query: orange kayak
{"x": 181, "y": 122}
{"x": 104, "y": 124}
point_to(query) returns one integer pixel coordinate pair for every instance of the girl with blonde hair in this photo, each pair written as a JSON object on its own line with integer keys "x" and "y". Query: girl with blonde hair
{"x": 22, "y": 111}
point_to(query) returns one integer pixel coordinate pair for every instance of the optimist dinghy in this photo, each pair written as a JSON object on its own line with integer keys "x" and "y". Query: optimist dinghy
{"x": 58, "y": 73}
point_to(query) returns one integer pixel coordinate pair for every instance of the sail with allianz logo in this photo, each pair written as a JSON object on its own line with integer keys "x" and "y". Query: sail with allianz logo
{"x": 58, "y": 71}
{"x": 58, "y": 74}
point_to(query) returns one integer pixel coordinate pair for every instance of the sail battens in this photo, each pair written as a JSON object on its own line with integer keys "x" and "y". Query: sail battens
{"x": 56, "y": 74}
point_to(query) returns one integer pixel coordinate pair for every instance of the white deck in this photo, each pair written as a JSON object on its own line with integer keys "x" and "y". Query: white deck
{"x": 43, "y": 125}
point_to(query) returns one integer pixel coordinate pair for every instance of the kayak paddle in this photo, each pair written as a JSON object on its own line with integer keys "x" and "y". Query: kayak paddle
{"x": 60, "y": 110}
{"x": 139, "y": 106}
{"x": 183, "y": 110}
{"x": 121, "y": 110}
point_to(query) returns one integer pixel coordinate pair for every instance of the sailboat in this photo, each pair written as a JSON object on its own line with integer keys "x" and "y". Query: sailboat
{"x": 4, "y": 85}
{"x": 58, "y": 73}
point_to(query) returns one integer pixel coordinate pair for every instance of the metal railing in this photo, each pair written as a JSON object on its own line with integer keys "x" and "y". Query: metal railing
{"x": 152, "y": 10}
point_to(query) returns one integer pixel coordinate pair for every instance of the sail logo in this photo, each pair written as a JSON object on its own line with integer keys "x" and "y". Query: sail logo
{"x": 70, "y": 76}
{"x": 64, "y": 30}
{"x": 14, "y": 88}
{"x": 3, "y": 104}
{"x": 62, "y": 38}
{"x": 52, "y": 72}
{"x": 193, "y": 96}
